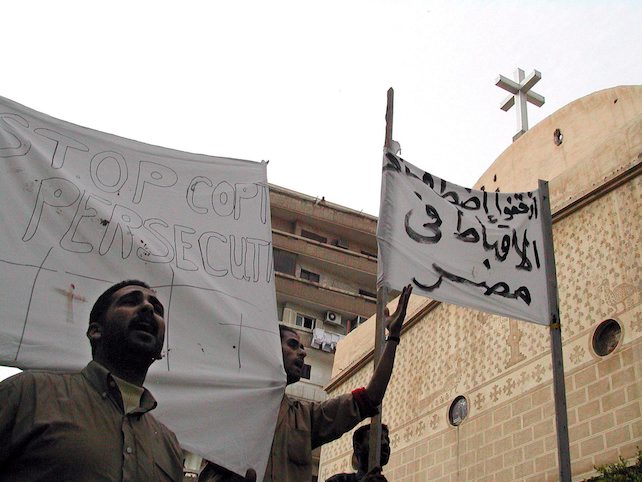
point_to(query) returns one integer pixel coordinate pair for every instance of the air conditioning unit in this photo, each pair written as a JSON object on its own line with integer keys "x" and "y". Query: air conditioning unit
{"x": 332, "y": 318}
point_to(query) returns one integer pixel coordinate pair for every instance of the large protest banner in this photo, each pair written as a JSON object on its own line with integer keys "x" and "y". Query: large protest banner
{"x": 461, "y": 246}
{"x": 82, "y": 210}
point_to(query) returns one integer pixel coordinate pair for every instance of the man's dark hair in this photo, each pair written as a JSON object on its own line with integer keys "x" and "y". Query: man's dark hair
{"x": 359, "y": 434}
{"x": 283, "y": 328}
{"x": 102, "y": 303}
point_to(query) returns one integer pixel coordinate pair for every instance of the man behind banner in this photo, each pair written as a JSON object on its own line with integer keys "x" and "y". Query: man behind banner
{"x": 94, "y": 424}
{"x": 303, "y": 426}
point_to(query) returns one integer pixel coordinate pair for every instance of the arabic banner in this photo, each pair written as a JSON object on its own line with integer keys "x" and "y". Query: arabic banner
{"x": 461, "y": 246}
{"x": 82, "y": 210}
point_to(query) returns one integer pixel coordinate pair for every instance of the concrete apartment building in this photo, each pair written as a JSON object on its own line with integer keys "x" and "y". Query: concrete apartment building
{"x": 471, "y": 397}
{"x": 326, "y": 268}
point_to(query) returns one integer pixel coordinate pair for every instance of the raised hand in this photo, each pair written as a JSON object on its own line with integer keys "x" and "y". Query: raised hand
{"x": 395, "y": 321}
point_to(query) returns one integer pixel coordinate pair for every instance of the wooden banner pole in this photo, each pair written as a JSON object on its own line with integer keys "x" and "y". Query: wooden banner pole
{"x": 374, "y": 456}
{"x": 559, "y": 388}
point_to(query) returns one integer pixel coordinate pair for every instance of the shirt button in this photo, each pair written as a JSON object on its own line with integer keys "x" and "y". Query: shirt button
{"x": 129, "y": 450}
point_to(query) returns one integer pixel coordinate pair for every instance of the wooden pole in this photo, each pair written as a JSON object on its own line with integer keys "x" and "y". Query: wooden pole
{"x": 559, "y": 388}
{"x": 374, "y": 456}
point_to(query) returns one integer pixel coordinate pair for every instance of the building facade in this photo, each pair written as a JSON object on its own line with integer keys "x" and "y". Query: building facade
{"x": 471, "y": 397}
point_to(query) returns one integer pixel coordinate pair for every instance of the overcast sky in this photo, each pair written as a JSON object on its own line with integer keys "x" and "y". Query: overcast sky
{"x": 303, "y": 84}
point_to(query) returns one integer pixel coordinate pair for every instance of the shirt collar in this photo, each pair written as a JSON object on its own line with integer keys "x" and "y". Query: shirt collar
{"x": 102, "y": 380}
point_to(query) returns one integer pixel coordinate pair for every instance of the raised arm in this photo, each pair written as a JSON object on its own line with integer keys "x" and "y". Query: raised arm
{"x": 376, "y": 389}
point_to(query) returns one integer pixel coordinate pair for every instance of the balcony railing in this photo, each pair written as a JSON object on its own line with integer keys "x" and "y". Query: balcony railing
{"x": 338, "y": 258}
{"x": 327, "y": 297}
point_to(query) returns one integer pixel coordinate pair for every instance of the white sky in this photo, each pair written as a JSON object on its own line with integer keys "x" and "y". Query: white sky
{"x": 304, "y": 84}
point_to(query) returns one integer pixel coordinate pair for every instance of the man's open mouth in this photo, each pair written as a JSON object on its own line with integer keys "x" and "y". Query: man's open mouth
{"x": 144, "y": 325}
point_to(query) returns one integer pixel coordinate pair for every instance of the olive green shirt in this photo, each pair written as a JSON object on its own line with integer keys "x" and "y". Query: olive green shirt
{"x": 303, "y": 426}
{"x": 72, "y": 427}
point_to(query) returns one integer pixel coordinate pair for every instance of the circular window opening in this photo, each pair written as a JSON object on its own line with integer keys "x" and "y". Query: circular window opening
{"x": 458, "y": 410}
{"x": 606, "y": 338}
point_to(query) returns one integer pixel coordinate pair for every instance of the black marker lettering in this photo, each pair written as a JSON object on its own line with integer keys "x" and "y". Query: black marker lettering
{"x": 54, "y": 192}
{"x": 154, "y": 174}
{"x": 62, "y": 144}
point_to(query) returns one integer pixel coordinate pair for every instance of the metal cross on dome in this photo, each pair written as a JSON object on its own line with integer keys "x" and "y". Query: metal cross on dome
{"x": 521, "y": 92}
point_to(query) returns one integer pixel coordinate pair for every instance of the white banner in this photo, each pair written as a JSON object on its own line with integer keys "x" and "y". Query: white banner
{"x": 470, "y": 248}
{"x": 82, "y": 210}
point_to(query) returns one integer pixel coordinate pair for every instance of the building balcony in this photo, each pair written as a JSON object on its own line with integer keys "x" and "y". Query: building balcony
{"x": 296, "y": 290}
{"x": 293, "y": 206}
{"x": 360, "y": 268}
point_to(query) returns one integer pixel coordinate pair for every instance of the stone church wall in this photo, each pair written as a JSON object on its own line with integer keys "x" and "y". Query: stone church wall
{"x": 503, "y": 367}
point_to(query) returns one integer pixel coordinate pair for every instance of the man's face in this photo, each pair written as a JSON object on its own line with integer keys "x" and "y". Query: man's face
{"x": 134, "y": 322}
{"x": 364, "y": 448}
{"x": 293, "y": 356}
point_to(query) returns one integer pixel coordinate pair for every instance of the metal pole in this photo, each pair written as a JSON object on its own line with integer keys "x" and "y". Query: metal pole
{"x": 559, "y": 388}
{"x": 374, "y": 456}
